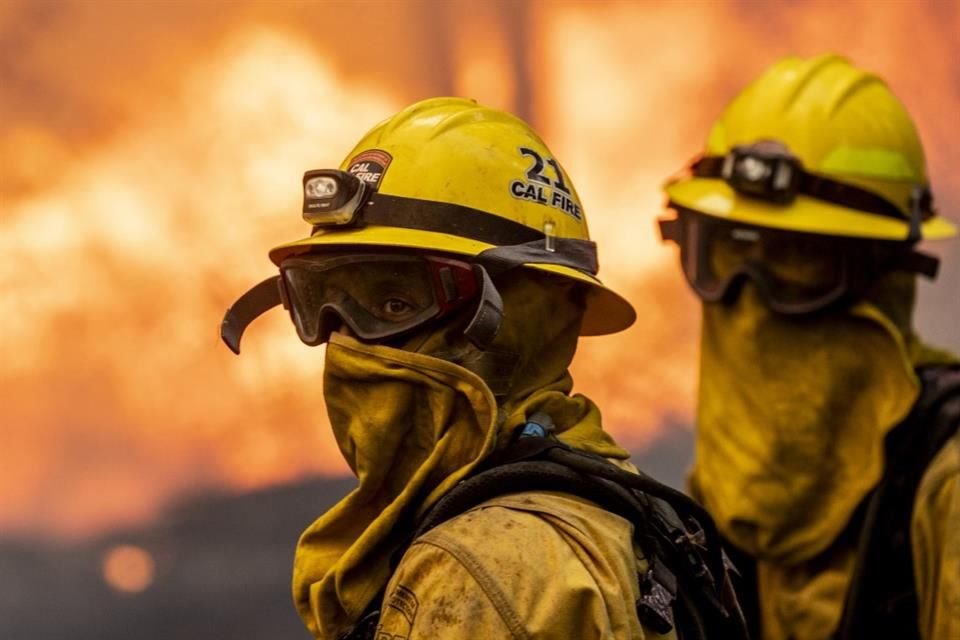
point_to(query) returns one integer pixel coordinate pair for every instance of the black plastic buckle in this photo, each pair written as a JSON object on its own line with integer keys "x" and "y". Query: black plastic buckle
{"x": 765, "y": 170}
{"x": 655, "y": 606}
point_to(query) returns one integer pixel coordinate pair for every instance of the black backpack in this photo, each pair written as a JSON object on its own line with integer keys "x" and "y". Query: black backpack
{"x": 687, "y": 587}
{"x": 881, "y": 601}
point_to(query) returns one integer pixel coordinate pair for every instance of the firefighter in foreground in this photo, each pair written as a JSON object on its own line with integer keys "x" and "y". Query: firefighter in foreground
{"x": 450, "y": 275}
{"x": 826, "y": 445}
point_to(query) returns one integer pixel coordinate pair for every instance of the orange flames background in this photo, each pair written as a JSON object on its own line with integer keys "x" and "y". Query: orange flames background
{"x": 152, "y": 153}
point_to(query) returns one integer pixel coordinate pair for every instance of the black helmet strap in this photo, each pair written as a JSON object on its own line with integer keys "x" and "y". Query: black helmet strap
{"x": 768, "y": 171}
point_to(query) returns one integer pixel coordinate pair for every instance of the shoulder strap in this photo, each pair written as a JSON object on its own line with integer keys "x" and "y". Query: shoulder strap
{"x": 882, "y": 599}
{"x": 686, "y": 588}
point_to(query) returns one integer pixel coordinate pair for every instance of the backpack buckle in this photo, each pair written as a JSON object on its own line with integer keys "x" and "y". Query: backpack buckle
{"x": 655, "y": 606}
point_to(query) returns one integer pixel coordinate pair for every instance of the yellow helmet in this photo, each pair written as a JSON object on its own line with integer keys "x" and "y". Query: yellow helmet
{"x": 449, "y": 175}
{"x": 815, "y": 145}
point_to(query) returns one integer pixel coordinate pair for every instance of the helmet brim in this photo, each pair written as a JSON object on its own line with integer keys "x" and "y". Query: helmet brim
{"x": 714, "y": 197}
{"x": 606, "y": 311}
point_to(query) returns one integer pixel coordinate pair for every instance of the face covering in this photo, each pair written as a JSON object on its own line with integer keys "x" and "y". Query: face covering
{"x": 414, "y": 419}
{"x": 791, "y": 420}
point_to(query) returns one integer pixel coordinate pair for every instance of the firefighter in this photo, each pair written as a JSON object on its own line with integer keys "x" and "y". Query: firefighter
{"x": 450, "y": 274}
{"x": 825, "y": 429}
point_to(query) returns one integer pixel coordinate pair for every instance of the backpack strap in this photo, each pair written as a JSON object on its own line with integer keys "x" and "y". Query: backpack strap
{"x": 882, "y": 598}
{"x": 746, "y": 586}
{"x": 686, "y": 587}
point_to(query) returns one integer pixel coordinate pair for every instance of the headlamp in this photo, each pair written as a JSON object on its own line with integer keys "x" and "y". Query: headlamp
{"x": 331, "y": 197}
{"x": 765, "y": 170}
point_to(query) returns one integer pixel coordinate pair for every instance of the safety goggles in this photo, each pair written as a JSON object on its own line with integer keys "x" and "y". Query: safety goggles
{"x": 377, "y": 296}
{"x": 795, "y": 273}
{"x": 767, "y": 170}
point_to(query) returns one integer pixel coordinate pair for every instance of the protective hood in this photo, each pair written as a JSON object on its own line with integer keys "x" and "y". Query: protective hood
{"x": 792, "y": 416}
{"x": 413, "y": 421}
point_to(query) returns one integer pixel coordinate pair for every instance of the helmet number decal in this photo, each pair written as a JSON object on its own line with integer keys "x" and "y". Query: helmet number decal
{"x": 540, "y": 188}
{"x": 559, "y": 184}
{"x": 534, "y": 173}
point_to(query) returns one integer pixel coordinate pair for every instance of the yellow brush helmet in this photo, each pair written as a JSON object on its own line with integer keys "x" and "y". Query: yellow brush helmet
{"x": 842, "y": 124}
{"x": 452, "y": 151}
{"x": 448, "y": 175}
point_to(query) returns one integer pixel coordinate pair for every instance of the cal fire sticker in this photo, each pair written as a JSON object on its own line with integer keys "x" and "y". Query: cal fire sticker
{"x": 370, "y": 166}
{"x": 541, "y": 188}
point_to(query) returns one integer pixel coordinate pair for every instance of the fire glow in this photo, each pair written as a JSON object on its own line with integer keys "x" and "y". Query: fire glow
{"x": 120, "y": 258}
{"x": 128, "y": 569}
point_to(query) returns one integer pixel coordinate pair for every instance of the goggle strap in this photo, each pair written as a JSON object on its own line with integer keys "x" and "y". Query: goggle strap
{"x": 486, "y": 321}
{"x": 247, "y": 308}
{"x": 569, "y": 252}
{"x": 918, "y": 262}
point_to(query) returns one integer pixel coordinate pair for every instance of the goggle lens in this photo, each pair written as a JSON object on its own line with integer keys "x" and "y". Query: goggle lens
{"x": 376, "y": 296}
{"x": 795, "y": 273}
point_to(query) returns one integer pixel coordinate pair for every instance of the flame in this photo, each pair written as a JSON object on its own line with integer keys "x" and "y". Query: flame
{"x": 117, "y": 271}
{"x": 126, "y": 236}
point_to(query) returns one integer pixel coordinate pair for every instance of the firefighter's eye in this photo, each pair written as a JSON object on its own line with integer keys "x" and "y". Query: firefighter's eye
{"x": 396, "y": 309}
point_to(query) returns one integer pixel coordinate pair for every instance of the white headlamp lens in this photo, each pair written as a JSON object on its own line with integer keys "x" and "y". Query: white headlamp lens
{"x": 320, "y": 187}
{"x": 754, "y": 169}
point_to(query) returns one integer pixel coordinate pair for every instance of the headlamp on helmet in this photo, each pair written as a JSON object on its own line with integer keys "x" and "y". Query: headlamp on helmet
{"x": 765, "y": 170}
{"x": 332, "y": 198}
{"x": 769, "y": 171}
